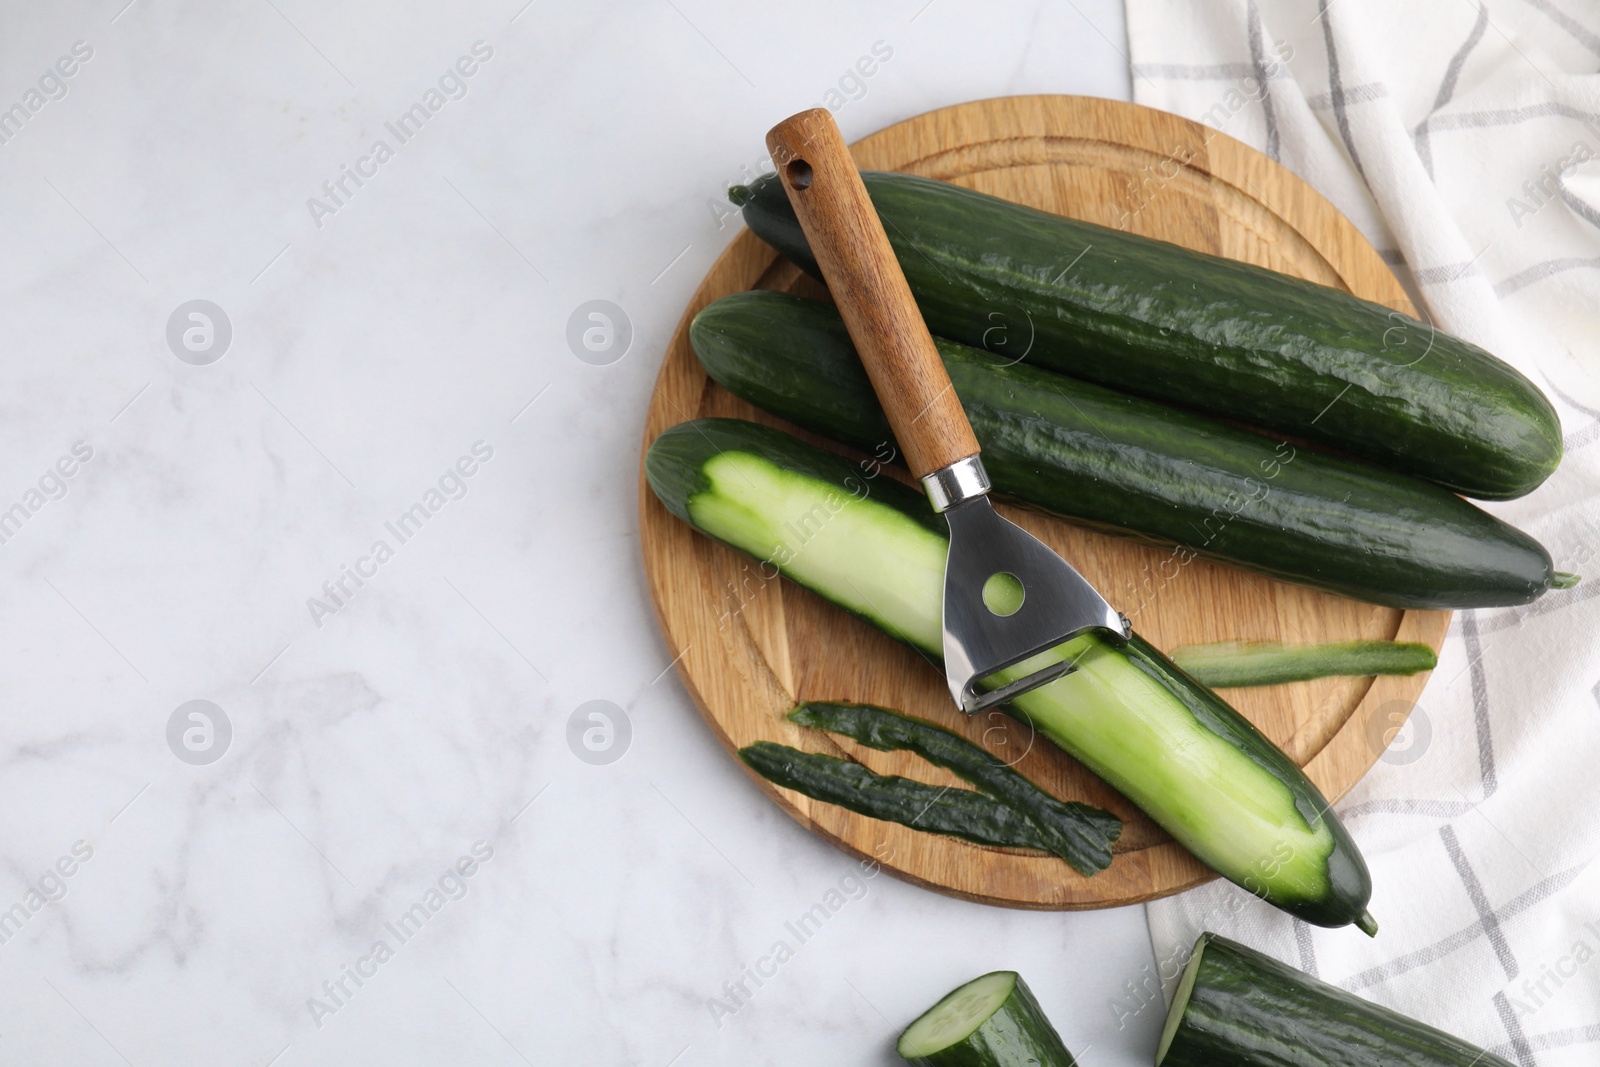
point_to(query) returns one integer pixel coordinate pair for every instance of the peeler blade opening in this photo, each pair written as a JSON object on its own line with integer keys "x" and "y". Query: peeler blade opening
{"x": 974, "y": 700}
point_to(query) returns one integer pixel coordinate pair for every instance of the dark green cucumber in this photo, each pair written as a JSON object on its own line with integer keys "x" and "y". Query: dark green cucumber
{"x": 1235, "y": 1007}
{"x": 1167, "y": 743}
{"x": 992, "y": 1021}
{"x": 1241, "y": 663}
{"x": 936, "y": 809}
{"x": 1078, "y": 833}
{"x": 1198, "y": 330}
{"x": 1130, "y": 464}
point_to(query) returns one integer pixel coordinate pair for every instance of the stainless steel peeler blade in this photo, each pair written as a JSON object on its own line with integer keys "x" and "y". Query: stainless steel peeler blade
{"x": 1057, "y": 603}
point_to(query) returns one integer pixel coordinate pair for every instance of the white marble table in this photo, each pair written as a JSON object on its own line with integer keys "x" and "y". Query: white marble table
{"x": 191, "y": 514}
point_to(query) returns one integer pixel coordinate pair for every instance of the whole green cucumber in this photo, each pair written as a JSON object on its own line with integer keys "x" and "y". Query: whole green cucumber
{"x": 1206, "y": 332}
{"x": 1135, "y": 465}
{"x": 1170, "y": 745}
{"x": 992, "y": 1021}
{"x": 1235, "y": 1007}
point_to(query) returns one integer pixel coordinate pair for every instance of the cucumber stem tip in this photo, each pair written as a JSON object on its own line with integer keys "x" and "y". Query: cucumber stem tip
{"x": 1564, "y": 580}
{"x": 739, "y": 194}
{"x": 1367, "y": 924}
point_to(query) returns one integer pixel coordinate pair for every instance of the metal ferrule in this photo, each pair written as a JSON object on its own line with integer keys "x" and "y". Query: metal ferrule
{"x": 959, "y": 482}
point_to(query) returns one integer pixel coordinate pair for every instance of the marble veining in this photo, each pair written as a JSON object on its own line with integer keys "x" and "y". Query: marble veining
{"x": 385, "y": 837}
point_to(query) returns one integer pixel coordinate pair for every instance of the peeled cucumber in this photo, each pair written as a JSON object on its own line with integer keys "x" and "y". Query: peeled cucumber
{"x": 1167, "y": 743}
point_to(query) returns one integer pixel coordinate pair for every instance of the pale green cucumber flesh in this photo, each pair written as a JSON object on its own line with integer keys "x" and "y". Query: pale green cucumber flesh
{"x": 955, "y": 1017}
{"x": 870, "y": 559}
{"x": 1165, "y": 742}
{"x": 991, "y": 1021}
{"x": 1180, "y": 1000}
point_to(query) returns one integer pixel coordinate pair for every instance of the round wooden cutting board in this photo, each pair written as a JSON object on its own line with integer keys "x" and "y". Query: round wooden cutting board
{"x": 749, "y": 649}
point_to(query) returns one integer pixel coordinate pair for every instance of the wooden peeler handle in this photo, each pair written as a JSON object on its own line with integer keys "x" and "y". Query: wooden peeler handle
{"x": 871, "y": 292}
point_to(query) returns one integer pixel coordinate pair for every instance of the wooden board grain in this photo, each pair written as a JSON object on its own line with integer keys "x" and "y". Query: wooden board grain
{"x": 749, "y": 648}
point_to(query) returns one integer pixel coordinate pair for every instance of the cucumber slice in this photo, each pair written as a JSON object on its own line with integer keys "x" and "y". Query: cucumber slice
{"x": 1171, "y": 746}
{"x": 992, "y": 1021}
{"x": 1238, "y": 1008}
{"x": 1245, "y": 663}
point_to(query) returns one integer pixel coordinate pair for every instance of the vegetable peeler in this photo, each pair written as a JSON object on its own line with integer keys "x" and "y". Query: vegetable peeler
{"x": 1007, "y": 595}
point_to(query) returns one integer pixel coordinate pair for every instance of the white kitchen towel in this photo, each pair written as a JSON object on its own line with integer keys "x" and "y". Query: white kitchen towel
{"x": 1463, "y": 138}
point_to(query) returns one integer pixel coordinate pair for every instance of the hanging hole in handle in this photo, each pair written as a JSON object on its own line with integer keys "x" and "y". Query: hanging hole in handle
{"x": 1003, "y": 593}
{"x": 798, "y": 171}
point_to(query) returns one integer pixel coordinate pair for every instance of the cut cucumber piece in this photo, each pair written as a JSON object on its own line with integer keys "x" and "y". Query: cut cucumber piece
{"x": 1201, "y": 331}
{"x": 1125, "y": 463}
{"x": 992, "y": 1021}
{"x": 1244, "y": 663}
{"x": 1171, "y": 746}
{"x": 1180, "y": 998}
{"x": 1078, "y": 833}
{"x": 1236, "y": 1007}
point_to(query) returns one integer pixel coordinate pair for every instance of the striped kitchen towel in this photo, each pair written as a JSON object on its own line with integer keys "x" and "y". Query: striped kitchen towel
{"x": 1463, "y": 138}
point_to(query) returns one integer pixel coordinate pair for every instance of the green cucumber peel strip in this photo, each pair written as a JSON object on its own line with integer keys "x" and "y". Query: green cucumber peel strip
{"x": 937, "y": 809}
{"x": 1078, "y": 833}
{"x": 1171, "y": 746}
{"x": 1233, "y": 664}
